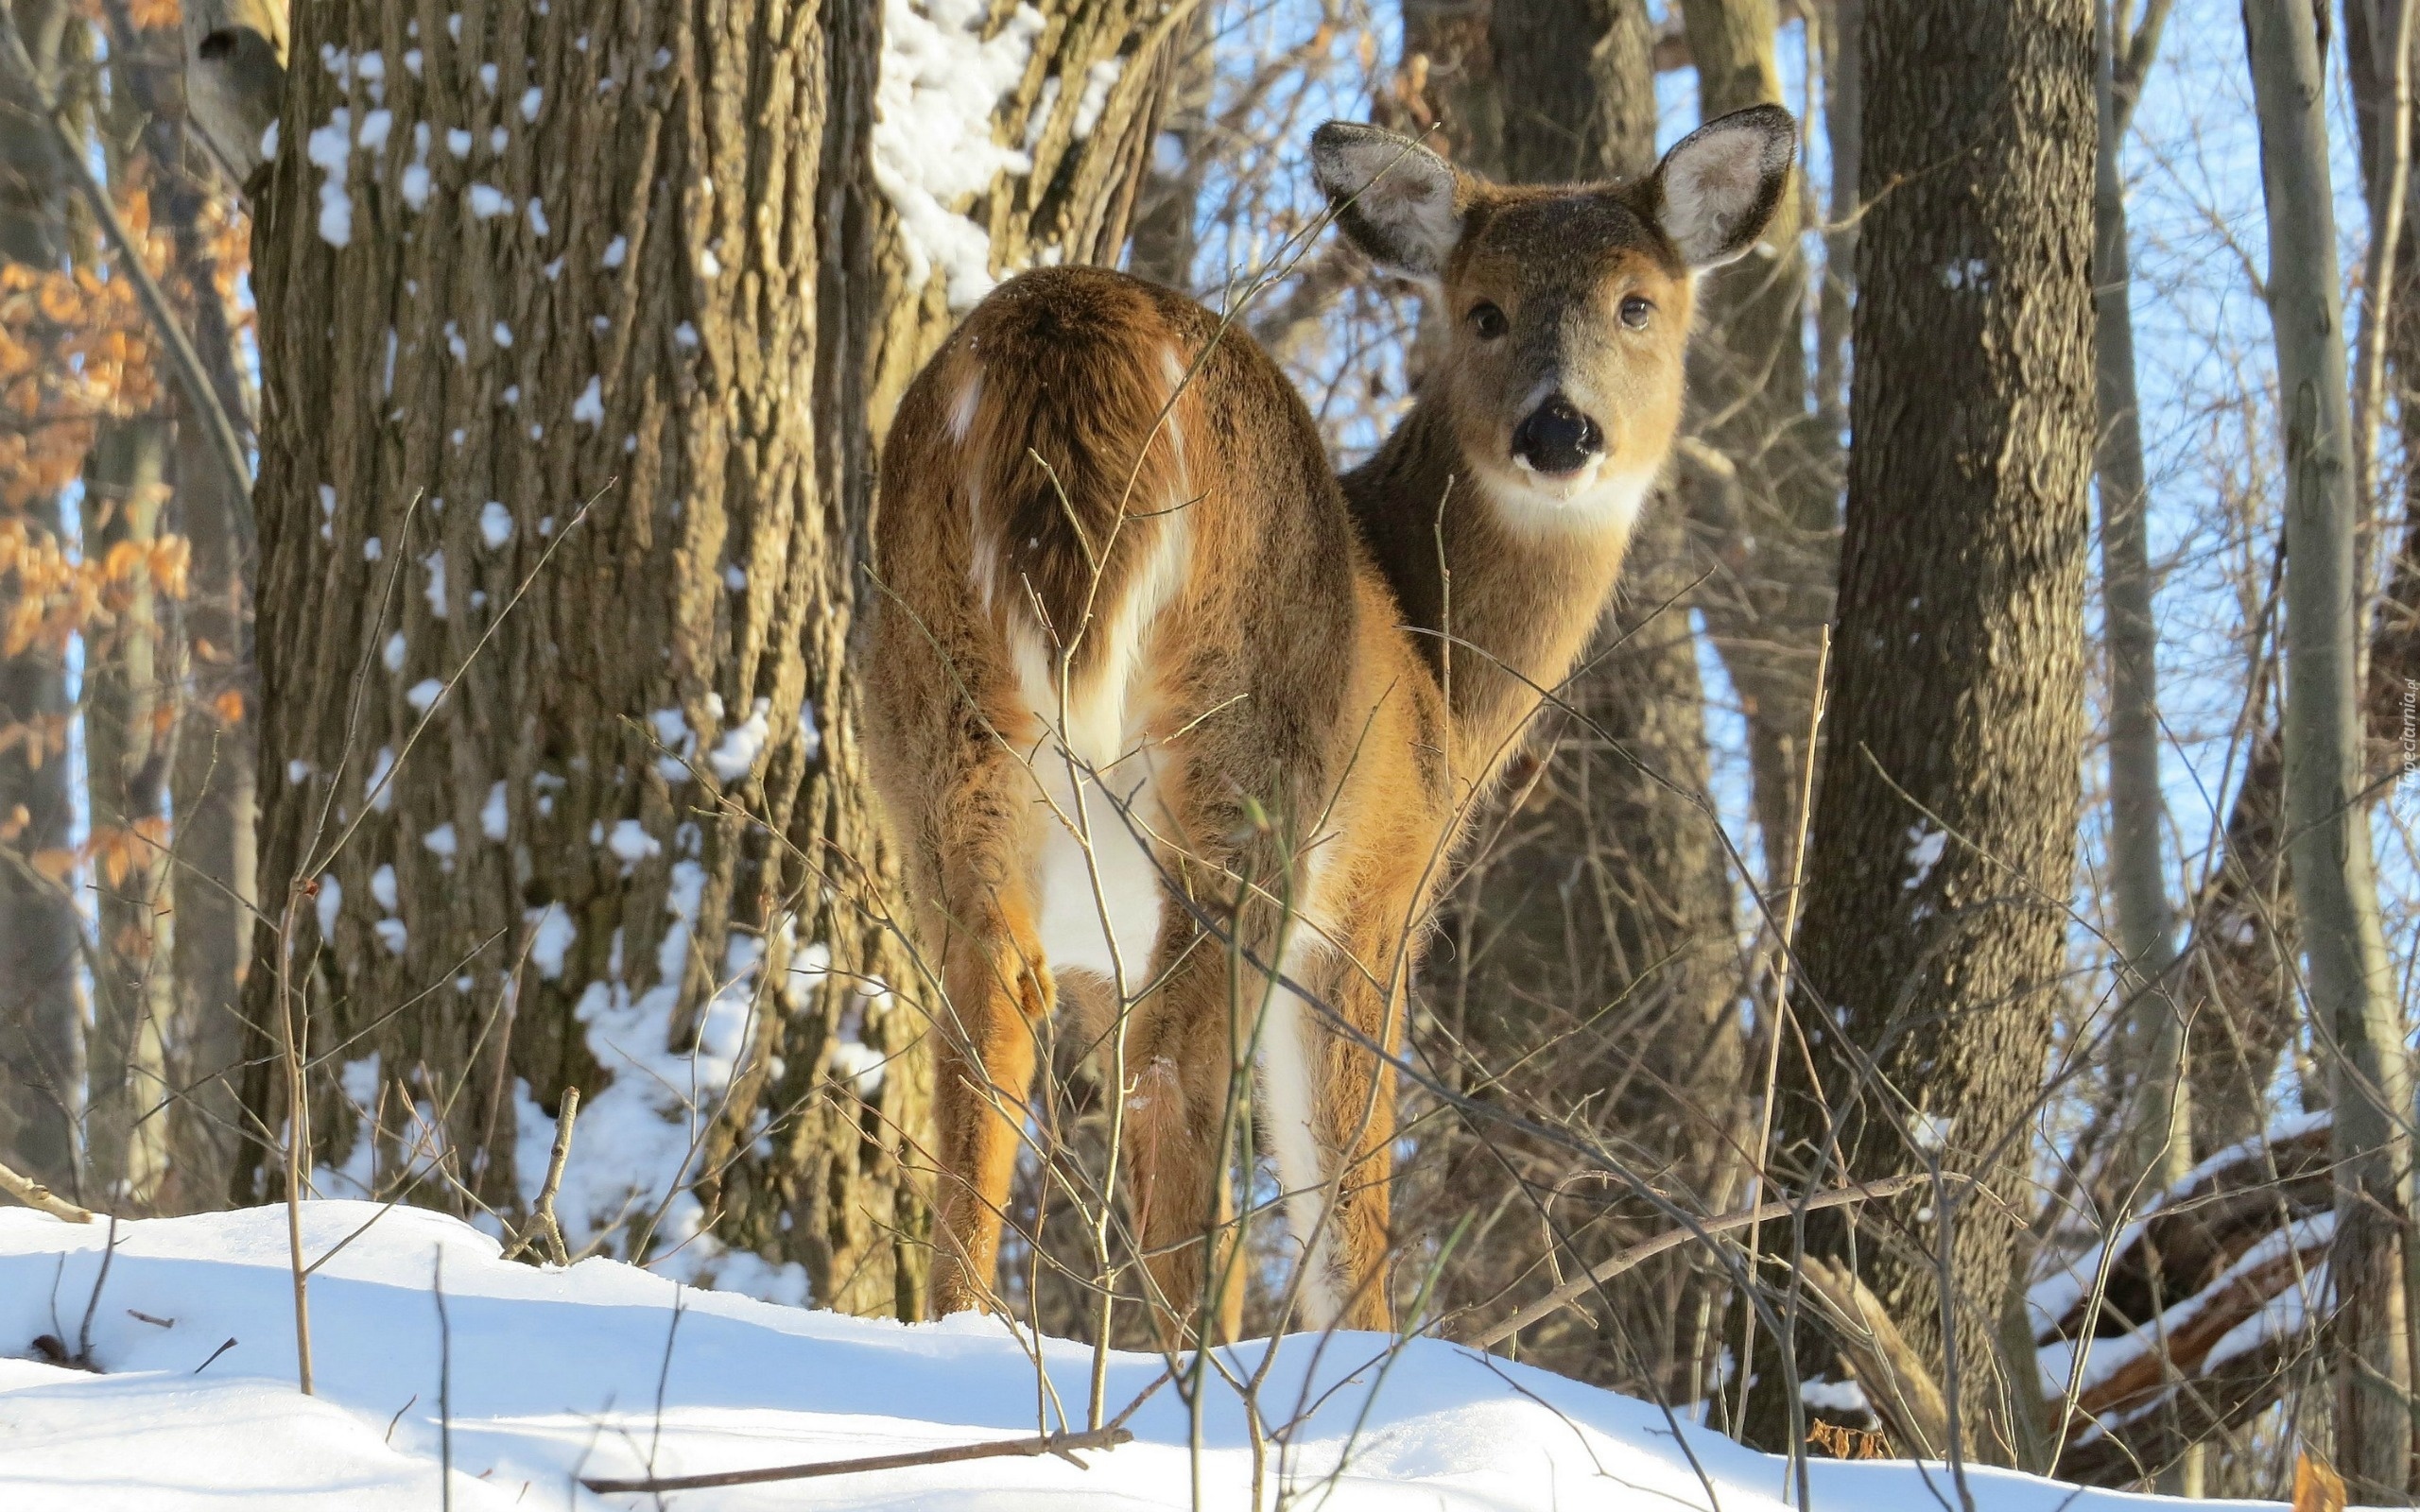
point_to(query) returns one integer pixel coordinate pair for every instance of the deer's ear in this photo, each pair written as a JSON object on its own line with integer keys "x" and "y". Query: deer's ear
{"x": 1398, "y": 201}
{"x": 1717, "y": 188}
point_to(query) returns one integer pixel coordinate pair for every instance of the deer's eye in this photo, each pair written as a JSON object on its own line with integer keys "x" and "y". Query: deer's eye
{"x": 1488, "y": 320}
{"x": 1635, "y": 311}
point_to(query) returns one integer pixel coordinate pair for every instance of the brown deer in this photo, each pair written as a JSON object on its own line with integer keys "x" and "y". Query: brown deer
{"x": 1178, "y": 727}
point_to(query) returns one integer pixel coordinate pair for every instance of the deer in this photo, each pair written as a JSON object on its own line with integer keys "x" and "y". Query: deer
{"x": 1178, "y": 731}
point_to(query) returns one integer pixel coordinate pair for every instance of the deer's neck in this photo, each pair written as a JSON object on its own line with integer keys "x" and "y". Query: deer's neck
{"x": 1502, "y": 586}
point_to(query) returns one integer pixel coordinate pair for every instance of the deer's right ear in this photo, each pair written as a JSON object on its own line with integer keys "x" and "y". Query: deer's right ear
{"x": 1400, "y": 202}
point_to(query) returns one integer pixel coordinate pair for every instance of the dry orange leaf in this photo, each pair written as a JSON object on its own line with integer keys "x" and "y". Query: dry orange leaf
{"x": 114, "y": 855}
{"x": 2317, "y": 1488}
{"x": 54, "y": 864}
{"x": 13, "y": 823}
{"x": 229, "y": 707}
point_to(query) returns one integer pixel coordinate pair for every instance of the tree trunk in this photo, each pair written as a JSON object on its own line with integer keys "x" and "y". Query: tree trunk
{"x": 2159, "y": 1143}
{"x": 126, "y": 766}
{"x": 129, "y": 706}
{"x": 2353, "y": 1012}
{"x": 42, "y": 1008}
{"x": 1775, "y": 515}
{"x": 1941, "y": 855}
{"x": 640, "y": 320}
{"x": 213, "y": 782}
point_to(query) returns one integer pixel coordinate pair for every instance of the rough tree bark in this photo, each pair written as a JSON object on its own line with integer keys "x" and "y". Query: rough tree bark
{"x": 42, "y": 1009}
{"x": 2353, "y": 1005}
{"x": 639, "y": 259}
{"x": 1943, "y": 830}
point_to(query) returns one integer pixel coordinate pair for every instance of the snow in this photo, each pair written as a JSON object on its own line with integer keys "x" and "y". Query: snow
{"x": 392, "y": 654}
{"x": 435, "y": 590}
{"x": 441, "y": 842}
{"x": 1833, "y": 1396}
{"x": 736, "y": 754}
{"x": 330, "y": 150}
{"x": 1924, "y": 853}
{"x": 616, "y": 252}
{"x": 589, "y": 408}
{"x": 630, "y": 841}
{"x": 941, "y": 82}
{"x": 380, "y": 790}
{"x": 330, "y": 902}
{"x": 526, "y": 1378}
{"x": 487, "y": 201}
{"x": 415, "y": 188}
{"x": 382, "y": 886}
{"x": 495, "y": 814}
{"x": 496, "y": 525}
{"x": 552, "y": 933}
{"x": 1099, "y": 80}
{"x": 422, "y": 696}
{"x": 392, "y": 934}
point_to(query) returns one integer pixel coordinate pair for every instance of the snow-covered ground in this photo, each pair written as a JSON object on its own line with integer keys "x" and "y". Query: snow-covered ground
{"x": 534, "y": 1378}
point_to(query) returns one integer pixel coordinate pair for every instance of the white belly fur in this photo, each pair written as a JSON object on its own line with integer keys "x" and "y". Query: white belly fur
{"x": 1096, "y": 814}
{"x": 1075, "y": 884}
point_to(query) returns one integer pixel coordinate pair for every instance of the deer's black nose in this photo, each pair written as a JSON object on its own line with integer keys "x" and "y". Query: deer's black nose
{"x": 1556, "y": 437}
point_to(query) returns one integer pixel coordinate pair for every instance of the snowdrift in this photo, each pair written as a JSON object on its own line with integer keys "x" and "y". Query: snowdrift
{"x": 532, "y": 1379}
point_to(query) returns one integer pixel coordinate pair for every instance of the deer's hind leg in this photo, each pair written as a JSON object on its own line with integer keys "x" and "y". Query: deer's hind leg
{"x": 998, "y": 998}
{"x": 964, "y": 803}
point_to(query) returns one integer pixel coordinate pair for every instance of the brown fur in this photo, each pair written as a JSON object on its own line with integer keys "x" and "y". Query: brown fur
{"x": 1196, "y": 569}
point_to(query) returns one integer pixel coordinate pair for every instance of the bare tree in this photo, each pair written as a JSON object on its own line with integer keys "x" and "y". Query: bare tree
{"x": 1943, "y": 828}
{"x": 2159, "y": 1149}
{"x": 2353, "y": 1005}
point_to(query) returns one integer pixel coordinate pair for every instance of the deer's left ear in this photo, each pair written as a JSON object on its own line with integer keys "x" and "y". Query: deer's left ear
{"x": 1717, "y": 188}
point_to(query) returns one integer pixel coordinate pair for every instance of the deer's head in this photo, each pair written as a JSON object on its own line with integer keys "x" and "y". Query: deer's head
{"x": 1569, "y": 307}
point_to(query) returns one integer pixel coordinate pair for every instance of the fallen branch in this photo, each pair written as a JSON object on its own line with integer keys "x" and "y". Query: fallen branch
{"x": 41, "y": 1199}
{"x": 1620, "y": 1261}
{"x": 1062, "y": 1445}
{"x": 1897, "y": 1386}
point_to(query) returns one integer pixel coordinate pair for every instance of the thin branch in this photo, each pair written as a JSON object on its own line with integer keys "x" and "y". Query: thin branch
{"x": 1062, "y": 1445}
{"x": 1622, "y": 1260}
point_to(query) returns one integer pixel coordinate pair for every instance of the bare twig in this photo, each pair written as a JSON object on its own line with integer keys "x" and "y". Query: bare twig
{"x": 41, "y": 1199}
{"x": 92, "y": 1303}
{"x": 1062, "y": 1445}
{"x": 542, "y": 1218}
{"x": 1622, "y": 1260}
